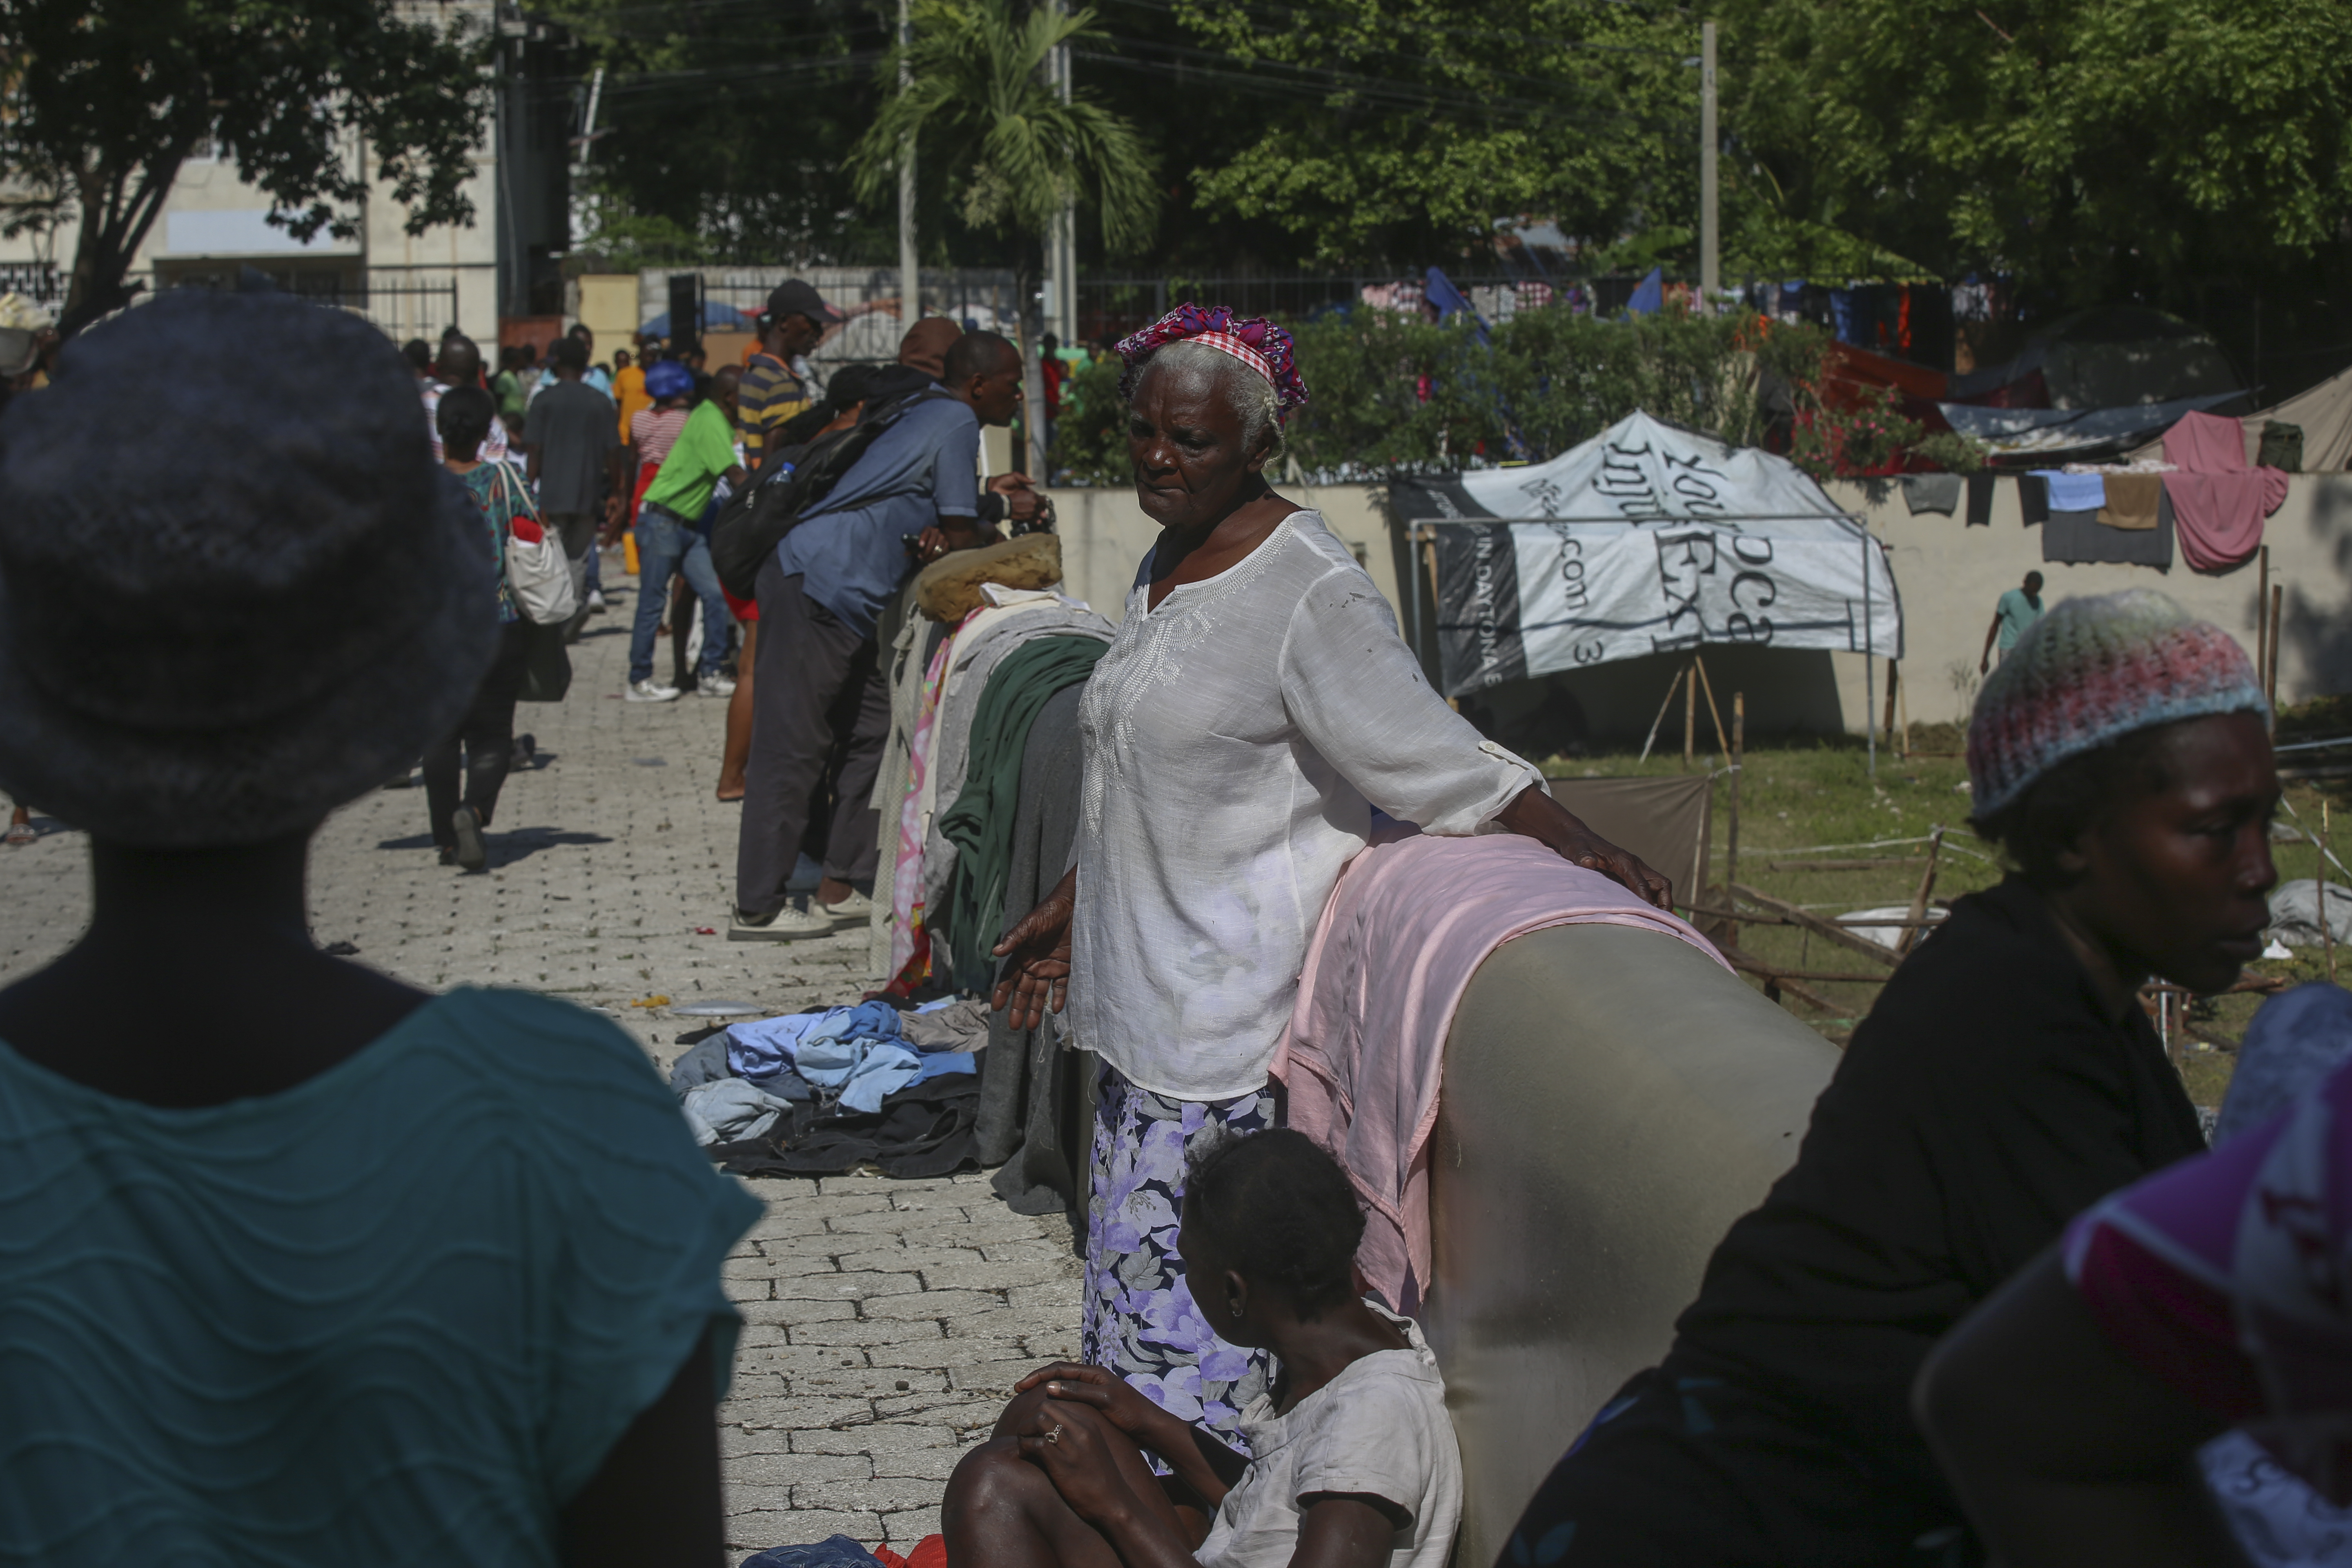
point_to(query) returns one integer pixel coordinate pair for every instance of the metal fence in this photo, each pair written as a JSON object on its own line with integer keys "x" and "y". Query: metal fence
{"x": 402, "y": 306}
{"x": 1108, "y": 306}
{"x": 39, "y": 282}
{"x": 1114, "y": 307}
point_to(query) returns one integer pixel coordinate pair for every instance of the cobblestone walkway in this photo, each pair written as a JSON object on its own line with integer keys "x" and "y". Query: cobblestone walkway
{"x": 884, "y": 1320}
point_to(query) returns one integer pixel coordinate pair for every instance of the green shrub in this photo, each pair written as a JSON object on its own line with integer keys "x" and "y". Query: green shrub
{"x": 1396, "y": 393}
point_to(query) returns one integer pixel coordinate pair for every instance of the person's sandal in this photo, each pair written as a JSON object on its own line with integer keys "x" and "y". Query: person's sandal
{"x": 21, "y": 834}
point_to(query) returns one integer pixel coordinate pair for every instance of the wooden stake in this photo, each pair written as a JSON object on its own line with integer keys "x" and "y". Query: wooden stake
{"x": 1660, "y": 718}
{"x": 1690, "y": 712}
{"x": 2263, "y": 625}
{"x": 1904, "y": 707}
{"x": 1891, "y": 682}
{"x": 1820, "y": 927}
{"x": 1738, "y": 761}
{"x": 2326, "y": 931}
{"x": 1721, "y": 744}
{"x": 2270, "y": 683}
{"x": 1910, "y": 937}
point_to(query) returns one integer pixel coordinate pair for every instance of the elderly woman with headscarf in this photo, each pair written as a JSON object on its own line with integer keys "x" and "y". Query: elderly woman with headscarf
{"x": 1255, "y": 710}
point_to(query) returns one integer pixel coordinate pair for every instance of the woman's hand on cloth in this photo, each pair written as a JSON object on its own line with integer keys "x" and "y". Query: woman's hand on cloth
{"x": 1535, "y": 815}
{"x": 1037, "y": 979}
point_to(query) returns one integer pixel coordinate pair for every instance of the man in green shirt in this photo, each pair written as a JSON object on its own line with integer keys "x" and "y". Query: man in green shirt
{"x": 2017, "y": 610}
{"x": 673, "y": 537}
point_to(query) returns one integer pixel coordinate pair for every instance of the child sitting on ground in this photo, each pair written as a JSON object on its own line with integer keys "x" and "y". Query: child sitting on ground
{"x": 1356, "y": 1465}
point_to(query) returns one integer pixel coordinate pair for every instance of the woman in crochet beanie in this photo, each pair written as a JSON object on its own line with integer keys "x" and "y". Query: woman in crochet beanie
{"x": 2007, "y": 1080}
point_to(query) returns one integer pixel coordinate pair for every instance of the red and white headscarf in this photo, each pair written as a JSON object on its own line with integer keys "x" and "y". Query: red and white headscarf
{"x": 1255, "y": 342}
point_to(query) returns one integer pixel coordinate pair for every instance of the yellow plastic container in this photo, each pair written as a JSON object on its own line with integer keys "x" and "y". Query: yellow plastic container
{"x": 629, "y": 551}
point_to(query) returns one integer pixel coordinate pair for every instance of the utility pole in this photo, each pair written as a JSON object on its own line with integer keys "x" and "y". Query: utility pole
{"x": 1710, "y": 261}
{"x": 1062, "y": 309}
{"x": 581, "y": 145}
{"x": 910, "y": 274}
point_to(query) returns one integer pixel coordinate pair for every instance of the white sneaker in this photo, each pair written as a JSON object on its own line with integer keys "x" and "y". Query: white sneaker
{"x": 713, "y": 685}
{"x": 595, "y": 601}
{"x": 854, "y": 910}
{"x": 647, "y": 691}
{"x": 787, "y": 924}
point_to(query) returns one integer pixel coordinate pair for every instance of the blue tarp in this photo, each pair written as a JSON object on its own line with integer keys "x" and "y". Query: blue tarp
{"x": 1649, "y": 295}
{"x": 713, "y": 315}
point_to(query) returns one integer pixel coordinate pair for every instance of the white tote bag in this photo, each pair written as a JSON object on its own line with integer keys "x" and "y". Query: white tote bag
{"x": 538, "y": 572}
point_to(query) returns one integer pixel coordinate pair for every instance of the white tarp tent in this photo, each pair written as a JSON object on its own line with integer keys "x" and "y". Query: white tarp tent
{"x": 1646, "y": 538}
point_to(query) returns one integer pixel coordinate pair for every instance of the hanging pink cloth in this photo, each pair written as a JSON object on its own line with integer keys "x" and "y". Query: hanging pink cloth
{"x": 907, "y": 934}
{"x": 2218, "y": 503}
{"x": 1409, "y": 923}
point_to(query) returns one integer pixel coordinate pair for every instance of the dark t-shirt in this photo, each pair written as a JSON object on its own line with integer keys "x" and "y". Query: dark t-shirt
{"x": 573, "y": 426}
{"x": 1985, "y": 1101}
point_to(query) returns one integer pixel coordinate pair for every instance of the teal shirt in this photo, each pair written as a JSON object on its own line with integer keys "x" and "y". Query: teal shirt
{"x": 2016, "y": 613}
{"x": 398, "y": 1313}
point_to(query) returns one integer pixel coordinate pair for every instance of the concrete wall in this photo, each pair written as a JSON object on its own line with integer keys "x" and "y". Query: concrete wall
{"x": 1104, "y": 534}
{"x": 1949, "y": 577}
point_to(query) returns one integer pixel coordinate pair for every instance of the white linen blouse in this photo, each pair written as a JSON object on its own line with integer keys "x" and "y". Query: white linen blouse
{"x": 1236, "y": 741}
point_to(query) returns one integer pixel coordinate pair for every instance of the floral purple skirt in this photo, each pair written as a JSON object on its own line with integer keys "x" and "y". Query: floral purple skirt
{"x": 1140, "y": 1321}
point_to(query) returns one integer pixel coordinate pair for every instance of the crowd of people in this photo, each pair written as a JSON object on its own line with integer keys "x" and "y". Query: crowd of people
{"x": 323, "y": 1284}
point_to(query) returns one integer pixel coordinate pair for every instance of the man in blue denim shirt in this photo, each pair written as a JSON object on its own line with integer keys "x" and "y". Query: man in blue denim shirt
{"x": 822, "y": 703}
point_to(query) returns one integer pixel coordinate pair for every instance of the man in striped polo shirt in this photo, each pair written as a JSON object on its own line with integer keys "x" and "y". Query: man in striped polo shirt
{"x": 772, "y": 391}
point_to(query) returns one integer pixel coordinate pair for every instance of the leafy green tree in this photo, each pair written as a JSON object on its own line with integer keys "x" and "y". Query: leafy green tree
{"x": 102, "y": 103}
{"x": 978, "y": 109}
{"x": 724, "y": 130}
{"x": 1409, "y": 126}
{"x": 2106, "y": 148}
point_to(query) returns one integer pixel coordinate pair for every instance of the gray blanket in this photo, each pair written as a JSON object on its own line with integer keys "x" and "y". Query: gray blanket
{"x": 1036, "y": 1100}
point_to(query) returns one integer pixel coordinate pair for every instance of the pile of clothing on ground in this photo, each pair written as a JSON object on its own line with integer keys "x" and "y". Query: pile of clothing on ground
{"x": 841, "y": 1551}
{"x": 816, "y": 1093}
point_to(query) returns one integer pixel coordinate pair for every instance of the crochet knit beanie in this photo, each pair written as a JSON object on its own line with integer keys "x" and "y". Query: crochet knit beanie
{"x": 2093, "y": 670}
{"x": 267, "y": 605}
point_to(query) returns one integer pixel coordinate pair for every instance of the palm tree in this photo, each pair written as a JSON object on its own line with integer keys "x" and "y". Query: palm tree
{"x": 975, "y": 94}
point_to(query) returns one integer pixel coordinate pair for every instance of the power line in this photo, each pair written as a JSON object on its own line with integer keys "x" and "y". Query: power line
{"x": 1284, "y": 12}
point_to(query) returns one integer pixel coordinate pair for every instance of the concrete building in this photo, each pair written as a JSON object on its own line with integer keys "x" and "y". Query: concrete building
{"x": 505, "y": 263}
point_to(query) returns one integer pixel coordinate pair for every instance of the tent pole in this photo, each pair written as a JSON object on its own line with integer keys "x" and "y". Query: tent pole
{"x": 1660, "y": 718}
{"x": 1869, "y": 674}
{"x": 1412, "y": 529}
{"x": 1714, "y": 712}
{"x": 1690, "y": 711}
{"x": 1731, "y": 847}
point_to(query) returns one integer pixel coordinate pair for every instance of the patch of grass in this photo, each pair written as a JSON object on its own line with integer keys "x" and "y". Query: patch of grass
{"x": 1802, "y": 792}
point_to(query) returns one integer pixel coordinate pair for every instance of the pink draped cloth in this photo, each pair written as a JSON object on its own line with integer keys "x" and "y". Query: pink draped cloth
{"x": 2218, "y": 503}
{"x": 1408, "y": 925}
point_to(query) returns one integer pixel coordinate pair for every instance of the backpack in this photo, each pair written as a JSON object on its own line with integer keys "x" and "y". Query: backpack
{"x": 792, "y": 482}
